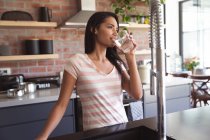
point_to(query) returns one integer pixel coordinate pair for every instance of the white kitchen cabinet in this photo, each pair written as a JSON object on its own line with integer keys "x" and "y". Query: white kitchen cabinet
{"x": 177, "y": 99}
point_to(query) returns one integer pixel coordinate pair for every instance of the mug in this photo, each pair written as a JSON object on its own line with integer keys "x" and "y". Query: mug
{"x": 45, "y": 14}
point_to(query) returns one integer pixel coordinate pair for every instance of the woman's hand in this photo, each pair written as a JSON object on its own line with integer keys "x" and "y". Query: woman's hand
{"x": 129, "y": 46}
{"x": 131, "y": 83}
{"x": 40, "y": 138}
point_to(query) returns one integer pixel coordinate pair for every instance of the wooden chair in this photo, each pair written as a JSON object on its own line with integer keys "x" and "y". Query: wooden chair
{"x": 200, "y": 91}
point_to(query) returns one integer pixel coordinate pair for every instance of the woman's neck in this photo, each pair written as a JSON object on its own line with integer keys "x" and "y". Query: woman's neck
{"x": 99, "y": 54}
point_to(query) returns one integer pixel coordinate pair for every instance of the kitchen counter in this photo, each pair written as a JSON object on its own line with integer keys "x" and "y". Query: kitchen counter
{"x": 172, "y": 81}
{"x": 47, "y": 95}
{"x": 192, "y": 124}
{"x": 40, "y": 96}
{"x": 25, "y": 117}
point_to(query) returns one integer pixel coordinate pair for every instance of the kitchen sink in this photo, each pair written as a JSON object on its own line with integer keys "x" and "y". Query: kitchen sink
{"x": 138, "y": 133}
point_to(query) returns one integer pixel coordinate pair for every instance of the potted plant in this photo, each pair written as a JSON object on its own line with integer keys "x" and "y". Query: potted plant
{"x": 191, "y": 63}
{"x": 124, "y": 8}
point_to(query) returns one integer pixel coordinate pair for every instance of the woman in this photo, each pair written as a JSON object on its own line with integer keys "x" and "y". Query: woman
{"x": 99, "y": 76}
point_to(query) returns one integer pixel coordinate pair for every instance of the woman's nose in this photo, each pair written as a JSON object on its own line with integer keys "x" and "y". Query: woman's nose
{"x": 115, "y": 33}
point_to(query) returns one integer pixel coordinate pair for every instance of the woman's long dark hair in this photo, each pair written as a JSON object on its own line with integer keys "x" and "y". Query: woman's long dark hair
{"x": 93, "y": 23}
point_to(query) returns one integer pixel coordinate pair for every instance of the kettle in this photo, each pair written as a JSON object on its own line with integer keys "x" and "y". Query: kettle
{"x": 45, "y": 14}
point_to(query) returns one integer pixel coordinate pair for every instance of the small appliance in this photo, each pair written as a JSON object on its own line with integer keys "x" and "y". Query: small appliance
{"x": 46, "y": 82}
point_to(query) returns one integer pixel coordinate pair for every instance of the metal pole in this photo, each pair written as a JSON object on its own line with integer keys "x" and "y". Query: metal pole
{"x": 161, "y": 105}
{"x": 159, "y": 73}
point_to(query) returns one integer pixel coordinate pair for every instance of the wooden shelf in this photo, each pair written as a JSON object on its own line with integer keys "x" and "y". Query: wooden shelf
{"x": 143, "y": 52}
{"x": 134, "y": 25}
{"x": 28, "y": 57}
{"x": 139, "y": 52}
{"x": 31, "y": 24}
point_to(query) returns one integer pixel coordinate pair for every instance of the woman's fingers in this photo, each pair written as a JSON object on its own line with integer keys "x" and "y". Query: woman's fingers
{"x": 129, "y": 45}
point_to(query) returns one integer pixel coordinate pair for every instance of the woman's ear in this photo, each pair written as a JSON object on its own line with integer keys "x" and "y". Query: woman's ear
{"x": 94, "y": 31}
{"x": 91, "y": 30}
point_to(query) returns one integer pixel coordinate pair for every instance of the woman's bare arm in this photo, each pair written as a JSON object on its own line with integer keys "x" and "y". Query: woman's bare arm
{"x": 131, "y": 82}
{"x": 60, "y": 107}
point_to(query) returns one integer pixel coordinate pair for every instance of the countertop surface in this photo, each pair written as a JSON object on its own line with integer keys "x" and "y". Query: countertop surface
{"x": 192, "y": 124}
{"x": 45, "y": 95}
{"x": 172, "y": 81}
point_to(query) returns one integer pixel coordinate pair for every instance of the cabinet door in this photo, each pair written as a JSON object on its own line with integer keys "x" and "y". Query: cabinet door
{"x": 29, "y": 131}
{"x": 25, "y": 122}
{"x": 27, "y": 113}
{"x": 172, "y": 92}
{"x": 173, "y": 105}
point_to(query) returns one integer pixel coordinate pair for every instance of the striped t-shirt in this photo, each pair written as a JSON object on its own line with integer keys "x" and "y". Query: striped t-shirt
{"x": 100, "y": 93}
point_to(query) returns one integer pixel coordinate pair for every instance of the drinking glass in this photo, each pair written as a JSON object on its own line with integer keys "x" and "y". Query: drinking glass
{"x": 122, "y": 37}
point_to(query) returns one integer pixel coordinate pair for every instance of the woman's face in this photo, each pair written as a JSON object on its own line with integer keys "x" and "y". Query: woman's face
{"x": 107, "y": 32}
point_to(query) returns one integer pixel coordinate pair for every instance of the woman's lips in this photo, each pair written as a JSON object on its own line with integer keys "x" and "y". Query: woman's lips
{"x": 117, "y": 43}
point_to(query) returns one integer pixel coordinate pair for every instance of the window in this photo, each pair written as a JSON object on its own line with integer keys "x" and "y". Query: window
{"x": 195, "y": 30}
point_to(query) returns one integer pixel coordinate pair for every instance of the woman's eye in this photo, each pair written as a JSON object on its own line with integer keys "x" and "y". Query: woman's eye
{"x": 110, "y": 27}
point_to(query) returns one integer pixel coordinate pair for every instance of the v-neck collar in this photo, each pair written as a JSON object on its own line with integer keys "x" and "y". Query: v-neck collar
{"x": 96, "y": 68}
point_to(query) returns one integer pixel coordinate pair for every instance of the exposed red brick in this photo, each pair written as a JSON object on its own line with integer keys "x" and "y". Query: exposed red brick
{"x": 27, "y": 63}
{"x": 60, "y": 62}
{"x": 20, "y": 70}
{"x": 53, "y": 6}
{"x": 66, "y": 49}
{"x": 67, "y": 55}
{"x": 45, "y": 62}
{"x": 58, "y": 50}
{"x": 140, "y": 3}
{"x": 55, "y": 68}
{"x": 42, "y": 1}
{"x": 14, "y": 4}
{"x": 37, "y": 69}
{"x": 9, "y": 64}
{"x": 65, "y": 42}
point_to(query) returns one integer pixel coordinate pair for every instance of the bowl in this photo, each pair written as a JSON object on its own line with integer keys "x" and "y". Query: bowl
{"x": 28, "y": 87}
{"x": 14, "y": 93}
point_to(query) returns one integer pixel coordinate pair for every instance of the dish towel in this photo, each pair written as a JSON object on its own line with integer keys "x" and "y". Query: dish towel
{"x": 135, "y": 112}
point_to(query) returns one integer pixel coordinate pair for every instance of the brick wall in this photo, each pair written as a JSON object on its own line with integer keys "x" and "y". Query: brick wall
{"x": 65, "y": 42}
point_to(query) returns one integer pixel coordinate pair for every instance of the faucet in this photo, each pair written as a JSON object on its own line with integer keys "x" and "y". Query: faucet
{"x": 157, "y": 84}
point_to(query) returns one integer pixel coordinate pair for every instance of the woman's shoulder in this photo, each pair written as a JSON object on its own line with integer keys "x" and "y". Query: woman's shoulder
{"x": 77, "y": 55}
{"x": 76, "y": 58}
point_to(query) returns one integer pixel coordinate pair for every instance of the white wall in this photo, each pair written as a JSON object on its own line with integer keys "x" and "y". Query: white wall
{"x": 173, "y": 62}
{"x": 172, "y": 26}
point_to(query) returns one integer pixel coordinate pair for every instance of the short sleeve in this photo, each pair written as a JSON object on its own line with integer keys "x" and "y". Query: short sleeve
{"x": 71, "y": 67}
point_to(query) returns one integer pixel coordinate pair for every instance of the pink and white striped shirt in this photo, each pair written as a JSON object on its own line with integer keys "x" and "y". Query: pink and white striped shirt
{"x": 100, "y": 93}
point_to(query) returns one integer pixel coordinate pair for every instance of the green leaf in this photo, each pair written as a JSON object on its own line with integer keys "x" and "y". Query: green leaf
{"x": 126, "y": 19}
{"x": 116, "y": 11}
{"x": 162, "y": 1}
